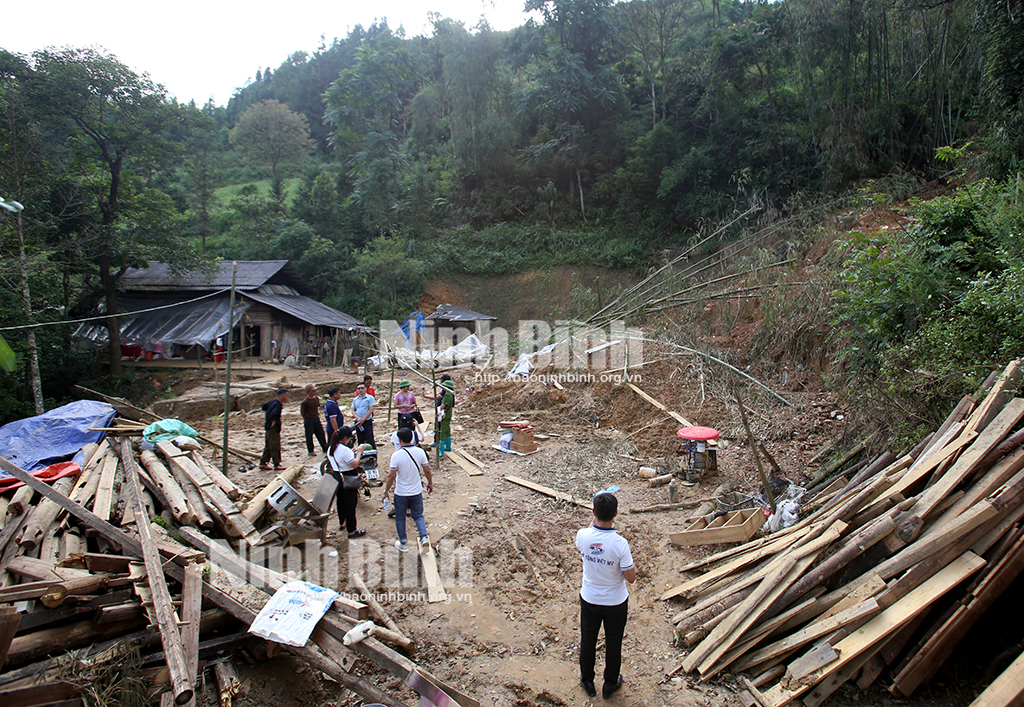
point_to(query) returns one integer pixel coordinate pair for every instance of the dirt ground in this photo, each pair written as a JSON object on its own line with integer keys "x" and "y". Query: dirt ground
{"x": 509, "y": 634}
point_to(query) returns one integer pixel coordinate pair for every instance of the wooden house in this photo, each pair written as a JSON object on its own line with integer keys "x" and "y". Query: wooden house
{"x": 166, "y": 313}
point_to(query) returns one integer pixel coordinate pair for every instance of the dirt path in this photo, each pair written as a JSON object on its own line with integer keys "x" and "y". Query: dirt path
{"x": 509, "y": 634}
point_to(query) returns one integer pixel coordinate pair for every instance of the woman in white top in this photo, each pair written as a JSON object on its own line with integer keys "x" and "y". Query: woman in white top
{"x": 345, "y": 462}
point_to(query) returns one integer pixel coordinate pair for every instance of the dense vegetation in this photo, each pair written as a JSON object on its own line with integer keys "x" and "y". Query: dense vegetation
{"x": 597, "y": 134}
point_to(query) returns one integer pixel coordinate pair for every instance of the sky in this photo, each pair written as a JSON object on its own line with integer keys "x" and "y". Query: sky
{"x": 201, "y": 50}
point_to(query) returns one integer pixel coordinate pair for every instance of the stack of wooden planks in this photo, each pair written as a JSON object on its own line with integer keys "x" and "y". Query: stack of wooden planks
{"x": 119, "y": 555}
{"x": 883, "y": 575}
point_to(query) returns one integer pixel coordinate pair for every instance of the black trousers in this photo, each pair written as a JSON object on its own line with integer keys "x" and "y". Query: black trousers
{"x": 347, "y": 500}
{"x": 364, "y": 433}
{"x": 314, "y": 428}
{"x": 591, "y": 618}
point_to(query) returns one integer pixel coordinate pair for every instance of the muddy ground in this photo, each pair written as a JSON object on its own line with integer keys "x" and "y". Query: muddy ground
{"x": 509, "y": 634}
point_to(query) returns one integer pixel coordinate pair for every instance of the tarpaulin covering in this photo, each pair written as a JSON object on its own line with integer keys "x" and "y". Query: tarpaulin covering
{"x": 199, "y": 322}
{"x": 163, "y": 430}
{"x": 55, "y": 436}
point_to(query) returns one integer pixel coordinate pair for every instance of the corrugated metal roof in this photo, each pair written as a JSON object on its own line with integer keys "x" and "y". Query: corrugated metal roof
{"x": 186, "y": 324}
{"x": 457, "y": 314}
{"x": 308, "y": 310}
{"x": 159, "y": 277}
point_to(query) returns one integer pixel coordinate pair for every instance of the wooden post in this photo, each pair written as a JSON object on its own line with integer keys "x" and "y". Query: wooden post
{"x": 227, "y": 374}
{"x": 753, "y": 450}
{"x": 174, "y": 651}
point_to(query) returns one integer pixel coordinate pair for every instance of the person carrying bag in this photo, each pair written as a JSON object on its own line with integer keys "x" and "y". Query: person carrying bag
{"x": 345, "y": 468}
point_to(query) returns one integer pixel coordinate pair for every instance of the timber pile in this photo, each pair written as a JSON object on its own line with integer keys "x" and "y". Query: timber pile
{"x": 882, "y": 579}
{"x": 85, "y": 574}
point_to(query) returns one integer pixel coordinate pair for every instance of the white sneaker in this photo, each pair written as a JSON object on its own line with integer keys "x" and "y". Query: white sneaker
{"x": 404, "y": 547}
{"x": 424, "y": 541}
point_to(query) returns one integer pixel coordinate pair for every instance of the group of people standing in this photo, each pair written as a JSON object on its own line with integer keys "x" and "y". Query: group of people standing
{"x": 345, "y": 446}
{"x": 607, "y": 559}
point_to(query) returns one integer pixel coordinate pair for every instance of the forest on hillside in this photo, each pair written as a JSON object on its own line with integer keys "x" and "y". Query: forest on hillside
{"x": 603, "y": 133}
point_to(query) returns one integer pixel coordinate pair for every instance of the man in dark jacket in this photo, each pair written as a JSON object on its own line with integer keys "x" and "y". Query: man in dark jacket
{"x": 272, "y": 431}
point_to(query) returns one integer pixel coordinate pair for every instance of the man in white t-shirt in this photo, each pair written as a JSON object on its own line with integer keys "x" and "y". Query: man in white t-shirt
{"x": 404, "y": 476}
{"x": 604, "y": 597}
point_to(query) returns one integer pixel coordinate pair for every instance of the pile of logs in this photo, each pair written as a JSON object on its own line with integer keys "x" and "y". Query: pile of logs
{"x": 118, "y": 556}
{"x": 881, "y": 578}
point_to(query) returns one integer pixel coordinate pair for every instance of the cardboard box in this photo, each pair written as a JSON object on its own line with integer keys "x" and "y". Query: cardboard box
{"x": 524, "y": 448}
{"x": 523, "y": 436}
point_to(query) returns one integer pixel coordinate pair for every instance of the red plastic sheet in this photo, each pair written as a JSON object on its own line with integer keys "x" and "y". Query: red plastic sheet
{"x": 49, "y": 475}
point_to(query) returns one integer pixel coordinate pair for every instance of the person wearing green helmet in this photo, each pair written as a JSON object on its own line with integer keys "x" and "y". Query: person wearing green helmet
{"x": 444, "y": 412}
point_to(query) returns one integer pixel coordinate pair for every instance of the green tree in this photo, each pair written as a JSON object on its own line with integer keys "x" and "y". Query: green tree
{"x": 393, "y": 281}
{"x": 268, "y": 133}
{"x": 118, "y": 124}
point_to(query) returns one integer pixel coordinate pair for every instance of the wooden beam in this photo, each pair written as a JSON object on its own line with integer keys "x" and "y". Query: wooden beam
{"x": 9, "y": 621}
{"x": 435, "y": 591}
{"x": 550, "y": 492}
{"x": 233, "y": 517}
{"x": 255, "y": 508}
{"x": 43, "y": 515}
{"x": 181, "y": 683}
{"x": 676, "y": 416}
{"x": 177, "y": 503}
{"x": 378, "y": 610}
{"x": 214, "y": 594}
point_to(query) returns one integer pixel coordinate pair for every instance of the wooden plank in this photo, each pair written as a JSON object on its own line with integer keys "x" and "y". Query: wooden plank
{"x": 1007, "y": 690}
{"x": 435, "y": 591}
{"x": 550, "y": 492}
{"x": 814, "y": 631}
{"x": 678, "y": 418}
{"x": 472, "y": 460}
{"x": 737, "y": 585}
{"x": 465, "y": 465}
{"x": 884, "y": 624}
{"x": 715, "y": 660}
{"x": 181, "y": 684}
{"x": 993, "y": 403}
{"x": 755, "y": 604}
{"x": 929, "y": 656}
{"x": 941, "y": 456}
{"x": 191, "y": 614}
{"x": 1007, "y": 419}
{"x": 992, "y": 480}
{"x": 690, "y": 586}
{"x": 221, "y": 555}
{"x": 105, "y": 492}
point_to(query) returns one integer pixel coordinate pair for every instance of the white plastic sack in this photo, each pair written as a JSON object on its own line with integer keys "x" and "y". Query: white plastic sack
{"x": 292, "y": 613}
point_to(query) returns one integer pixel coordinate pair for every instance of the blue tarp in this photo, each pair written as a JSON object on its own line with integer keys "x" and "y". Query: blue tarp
{"x": 55, "y": 436}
